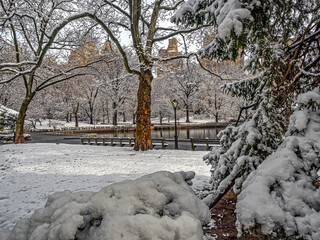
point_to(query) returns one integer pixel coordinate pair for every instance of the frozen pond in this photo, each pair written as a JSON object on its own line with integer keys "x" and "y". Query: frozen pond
{"x": 199, "y": 133}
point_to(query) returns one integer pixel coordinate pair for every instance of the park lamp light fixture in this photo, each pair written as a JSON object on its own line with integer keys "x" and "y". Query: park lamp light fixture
{"x": 174, "y": 103}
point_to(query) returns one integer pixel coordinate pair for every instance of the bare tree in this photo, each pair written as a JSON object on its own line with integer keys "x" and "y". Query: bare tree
{"x": 184, "y": 83}
{"x": 161, "y": 98}
{"x": 30, "y": 31}
{"x": 38, "y": 24}
{"x": 142, "y": 21}
{"x": 91, "y": 91}
{"x": 72, "y": 97}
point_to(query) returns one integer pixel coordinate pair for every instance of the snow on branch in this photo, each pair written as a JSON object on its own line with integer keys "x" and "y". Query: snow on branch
{"x": 280, "y": 194}
{"x": 309, "y": 73}
{"x": 243, "y": 149}
{"x": 246, "y": 88}
{"x": 7, "y": 111}
{"x": 174, "y": 7}
{"x": 9, "y": 65}
{"x": 228, "y": 15}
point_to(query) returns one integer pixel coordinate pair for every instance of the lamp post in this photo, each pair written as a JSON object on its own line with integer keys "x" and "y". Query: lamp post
{"x": 14, "y": 129}
{"x": 175, "y": 104}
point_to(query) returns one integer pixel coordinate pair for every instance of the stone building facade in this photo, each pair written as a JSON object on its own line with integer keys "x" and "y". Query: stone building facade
{"x": 220, "y": 67}
{"x": 171, "y": 51}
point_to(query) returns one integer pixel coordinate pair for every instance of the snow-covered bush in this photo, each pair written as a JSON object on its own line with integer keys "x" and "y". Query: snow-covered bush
{"x": 156, "y": 206}
{"x": 7, "y": 117}
{"x": 243, "y": 149}
{"x": 280, "y": 194}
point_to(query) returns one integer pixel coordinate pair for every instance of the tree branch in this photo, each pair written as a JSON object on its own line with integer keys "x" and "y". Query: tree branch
{"x": 68, "y": 71}
{"x": 179, "y": 32}
{"x": 60, "y": 80}
{"x": 174, "y": 7}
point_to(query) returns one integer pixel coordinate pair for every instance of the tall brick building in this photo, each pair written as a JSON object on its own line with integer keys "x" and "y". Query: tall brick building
{"x": 85, "y": 53}
{"x": 108, "y": 48}
{"x": 171, "y": 51}
{"x": 219, "y": 66}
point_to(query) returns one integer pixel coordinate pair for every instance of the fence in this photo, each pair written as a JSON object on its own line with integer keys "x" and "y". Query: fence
{"x": 160, "y": 142}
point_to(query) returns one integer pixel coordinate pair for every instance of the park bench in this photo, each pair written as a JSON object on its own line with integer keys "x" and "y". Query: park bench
{"x": 208, "y": 143}
{"x": 159, "y": 142}
{"x": 119, "y": 141}
{"x": 107, "y": 141}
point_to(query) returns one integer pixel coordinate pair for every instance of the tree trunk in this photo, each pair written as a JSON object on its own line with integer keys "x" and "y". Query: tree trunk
{"x": 76, "y": 120}
{"x": 161, "y": 119}
{"x": 108, "y": 118}
{"x": 103, "y": 110}
{"x": 115, "y": 118}
{"x": 143, "y": 127}
{"x": 67, "y": 118}
{"x": 124, "y": 117}
{"x": 21, "y": 118}
{"x": 216, "y": 107}
{"x": 133, "y": 118}
{"x": 75, "y": 110}
{"x": 187, "y": 112}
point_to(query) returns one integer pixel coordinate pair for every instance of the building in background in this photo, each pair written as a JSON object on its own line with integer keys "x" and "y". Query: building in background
{"x": 108, "y": 48}
{"x": 171, "y": 51}
{"x": 85, "y": 53}
{"x": 220, "y": 67}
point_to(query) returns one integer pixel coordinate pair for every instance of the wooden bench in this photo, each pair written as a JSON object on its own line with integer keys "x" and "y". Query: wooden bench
{"x": 119, "y": 141}
{"x": 108, "y": 141}
{"x": 208, "y": 143}
{"x": 159, "y": 142}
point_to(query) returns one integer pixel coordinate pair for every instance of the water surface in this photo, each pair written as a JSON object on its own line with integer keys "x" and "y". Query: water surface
{"x": 169, "y": 134}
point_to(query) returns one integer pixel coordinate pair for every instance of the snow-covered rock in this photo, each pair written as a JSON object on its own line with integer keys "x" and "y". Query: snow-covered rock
{"x": 156, "y": 206}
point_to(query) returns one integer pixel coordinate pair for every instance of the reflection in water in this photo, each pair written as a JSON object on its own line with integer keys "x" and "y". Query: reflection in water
{"x": 169, "y": 134}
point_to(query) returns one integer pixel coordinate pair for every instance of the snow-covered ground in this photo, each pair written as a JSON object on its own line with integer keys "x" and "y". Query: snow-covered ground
{"x": 29, "y": 173}
{"x": 51, "y": 124}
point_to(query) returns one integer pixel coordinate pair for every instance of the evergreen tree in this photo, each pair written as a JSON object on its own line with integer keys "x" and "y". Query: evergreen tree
{"x": 281, "y": 41}
{"x": 281, "y": 195}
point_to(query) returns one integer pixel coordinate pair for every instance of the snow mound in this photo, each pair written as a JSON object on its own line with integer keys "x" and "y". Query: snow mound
{"x": 281, "y": 194}
{"x": 156, "y": 206}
